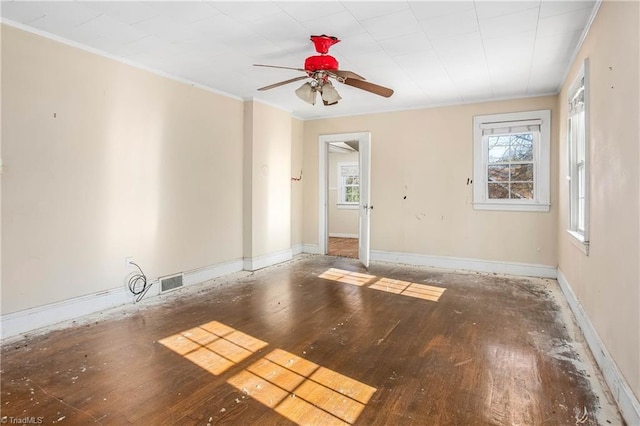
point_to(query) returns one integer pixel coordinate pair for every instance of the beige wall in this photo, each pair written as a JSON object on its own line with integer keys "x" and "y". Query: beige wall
{"x": 247, "y": 180}
{"x": 341, "y": 221}
{"x": 267, "y": 150}
{"x": 607, "y": 281}
{"x": 104, "y": 161}
{"x": 1, "y": 168}
{"x": 427, "y": 156}
{"x": 297, "y": 127}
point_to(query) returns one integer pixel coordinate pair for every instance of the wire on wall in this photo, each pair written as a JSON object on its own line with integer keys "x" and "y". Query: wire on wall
{"x": 138, "y": 284}
{"x": 297, "y": 179}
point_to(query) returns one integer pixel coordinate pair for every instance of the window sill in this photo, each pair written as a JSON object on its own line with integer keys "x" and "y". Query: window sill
{"x": 344, "y": 206}
{"x": 578, "y": 241}
{"x": 512, "y": 207}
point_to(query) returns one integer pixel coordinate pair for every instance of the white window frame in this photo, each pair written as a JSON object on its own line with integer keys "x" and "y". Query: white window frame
{"x": 578, "y": 141}
{"x": 541, "y": 160}
{"x": 341, "y": 203}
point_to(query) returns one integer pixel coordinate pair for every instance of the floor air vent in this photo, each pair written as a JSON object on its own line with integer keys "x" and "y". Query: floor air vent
{"x": 170, "y": 283}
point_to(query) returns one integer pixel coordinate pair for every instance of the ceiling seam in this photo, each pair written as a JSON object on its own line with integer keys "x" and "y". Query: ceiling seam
{"x": 436, "y": 53}
{"x": 484, "y": 49}
{"x": 533, "y": 49}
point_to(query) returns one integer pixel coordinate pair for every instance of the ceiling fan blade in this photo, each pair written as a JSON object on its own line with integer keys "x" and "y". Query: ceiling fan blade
{"x": 277, "y": 66}
{"x": 282, "y": 83}
{"x": 346, "y": 74}
{"x": 369, "y": 87}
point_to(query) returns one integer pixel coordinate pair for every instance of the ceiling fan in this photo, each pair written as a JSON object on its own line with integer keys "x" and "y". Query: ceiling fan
{"x": 319, "y": 68}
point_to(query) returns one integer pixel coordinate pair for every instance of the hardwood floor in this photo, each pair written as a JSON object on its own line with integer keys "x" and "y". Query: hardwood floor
{"x": 317, "y": 341}
{"x": 345, "y": 247}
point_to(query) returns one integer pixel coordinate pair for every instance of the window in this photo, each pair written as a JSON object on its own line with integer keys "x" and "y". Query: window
{"x": 510, "y": 165}
{"x": 511, "y": 161}
{"x": 578, "y": 159}
{"x": 349, "y": 184}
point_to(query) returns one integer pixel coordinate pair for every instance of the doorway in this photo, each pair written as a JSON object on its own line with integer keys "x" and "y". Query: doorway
{"x": 344, "y": 208}
{"x": 343, "y": 198}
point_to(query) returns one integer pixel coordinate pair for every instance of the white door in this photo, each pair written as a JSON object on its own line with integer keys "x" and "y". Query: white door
{"x": 365, "y": 201}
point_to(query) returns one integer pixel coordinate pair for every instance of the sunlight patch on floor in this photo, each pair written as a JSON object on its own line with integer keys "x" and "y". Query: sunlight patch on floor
{"x": 302, "y": 391}
{"x": 213, "y": 346}
{"x": 348, "y": 277}
{"x": 405, "y": 288}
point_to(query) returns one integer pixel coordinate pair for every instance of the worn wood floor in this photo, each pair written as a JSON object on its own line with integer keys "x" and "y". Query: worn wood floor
{"x": 317, "y": 341}
{"x": 345, "y": 247}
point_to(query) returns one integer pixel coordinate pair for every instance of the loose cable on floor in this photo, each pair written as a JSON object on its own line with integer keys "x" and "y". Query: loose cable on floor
{"x": 138, "y": 284}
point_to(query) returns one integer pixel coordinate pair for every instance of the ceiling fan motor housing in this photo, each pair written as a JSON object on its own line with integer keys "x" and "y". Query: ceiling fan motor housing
{"x": 320, "y": 62}
{"x": 323, "y": 42}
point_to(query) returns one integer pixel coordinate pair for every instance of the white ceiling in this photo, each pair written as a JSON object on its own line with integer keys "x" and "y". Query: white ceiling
{"x": 430, "y": 52}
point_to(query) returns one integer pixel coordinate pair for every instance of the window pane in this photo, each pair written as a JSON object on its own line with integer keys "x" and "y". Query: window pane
{"x": 522, "y": 190}
{"x": 581, "y": 197}
{"x": 522, "y": 147}
{"x": 580, "y": 224}
{"x": 352, "y": 194}
{"x": 522, "y": 172}
{"x": 498, "y": 153}
{"x": 499, "y": 140}
{"x": 499, "y": 173}
{"x": 351, "y": 180}
{"x": 580, "y": 137}
{"x": 498, "y": 190}
{"x": 505, "y": 148}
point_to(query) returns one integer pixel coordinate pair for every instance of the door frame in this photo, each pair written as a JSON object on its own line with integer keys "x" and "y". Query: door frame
{"x": 323, "y": 181}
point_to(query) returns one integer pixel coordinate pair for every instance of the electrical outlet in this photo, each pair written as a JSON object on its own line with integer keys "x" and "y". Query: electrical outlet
{"x": 128, "y": 261}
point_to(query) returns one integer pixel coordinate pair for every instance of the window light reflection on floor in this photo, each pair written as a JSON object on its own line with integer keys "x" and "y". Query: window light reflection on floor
{"x": 213, "y": 346}
{"x": 405, "y": 288}
{"x": 303, "y": 391}
{"x": 348, "y": 277}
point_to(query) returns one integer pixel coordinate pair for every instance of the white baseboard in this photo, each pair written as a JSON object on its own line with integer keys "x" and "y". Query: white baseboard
{"x": 28, "y": 320}
{"x": 297, "y": 249}
{"x": 627, "y": 402}
{"x": 311, "y": 248}
{"x": 339, "y": 235}
{"x": 259, "y": 262}
{"x": 32, "y": 319}
{"x": 510, "y": 268}
{"x": 207, "y": 273}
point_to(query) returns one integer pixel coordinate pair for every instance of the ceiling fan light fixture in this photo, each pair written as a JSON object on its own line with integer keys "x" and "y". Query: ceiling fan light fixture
{"x": 330, "y": 95}
{"x": 307, "y": 93}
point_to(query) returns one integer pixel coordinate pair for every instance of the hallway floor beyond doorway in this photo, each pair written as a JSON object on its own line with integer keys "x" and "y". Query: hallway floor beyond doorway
{"x": 344, "y": 247}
